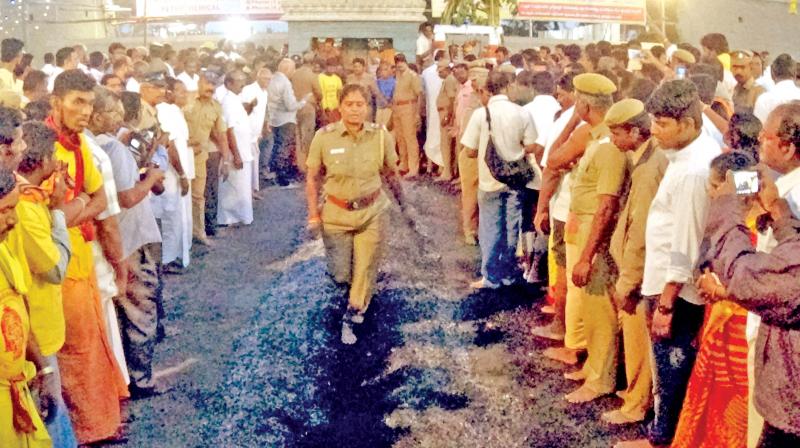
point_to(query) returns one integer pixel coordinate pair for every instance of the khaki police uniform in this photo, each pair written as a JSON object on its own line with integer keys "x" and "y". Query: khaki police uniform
{"x": 353, "y": 216}
{"x": 468, "y": 166}
{"x": 305, "y": 81}
{"x": 202, "y": 117}
{"x": 405, "y": 116}
{"x": 591, "y": 319}
{"x": 648, "y": 165}
{"x": 445, "y": 104}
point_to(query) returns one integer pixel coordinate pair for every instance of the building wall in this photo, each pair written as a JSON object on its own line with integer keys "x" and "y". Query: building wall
{"x": 50, "y": 26}
{"x": 748, "y": 24}
{"x": 403, "y": 34}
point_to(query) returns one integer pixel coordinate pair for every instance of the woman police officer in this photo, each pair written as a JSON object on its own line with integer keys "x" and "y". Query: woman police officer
{"x": 353, "y": 157}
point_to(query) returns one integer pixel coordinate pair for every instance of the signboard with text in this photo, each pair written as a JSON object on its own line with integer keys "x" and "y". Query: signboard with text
{"x": 178, "y": 8}
{"x": 597, "y": 11}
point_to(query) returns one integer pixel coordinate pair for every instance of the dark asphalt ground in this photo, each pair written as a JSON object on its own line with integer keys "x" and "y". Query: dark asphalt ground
{"x": 254, "y": 360}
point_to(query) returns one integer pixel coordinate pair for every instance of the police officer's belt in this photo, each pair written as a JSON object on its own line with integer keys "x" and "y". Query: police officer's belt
{"x": 356, "y": 204}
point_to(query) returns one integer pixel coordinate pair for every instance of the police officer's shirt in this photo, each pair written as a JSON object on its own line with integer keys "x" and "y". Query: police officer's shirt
{"x": 352, "y": 165}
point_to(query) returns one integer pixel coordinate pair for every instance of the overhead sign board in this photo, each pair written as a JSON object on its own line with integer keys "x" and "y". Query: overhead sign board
{"x": 178, "y": 8}
{"x": 598, "y": 11}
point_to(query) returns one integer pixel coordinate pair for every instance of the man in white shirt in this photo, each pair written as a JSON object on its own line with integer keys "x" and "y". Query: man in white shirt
{"x": 66, "y": 59}
{"x": 108, "y": 249}
{"x": 236, "y": 191}
{"x": 431, "y": 86}
{"x": 134, "y": 83}
{"x": 81, "y": 53}
{"x": 541, "y": 111}
{"x": 48, "y": 67}
{"x": 675, "y": 227}
{"x": 557, "y": 291}
{"x": 96, "y": 61}
{"x": 425, "y": 45}
{"x": 283, "y": 107}
{"x": 189, "y": 76}
{"x": 784, "y": 70}
{"x": 177, "y": 221}
{"x": 255, "y": 96}
{"x": 500, "y": 206}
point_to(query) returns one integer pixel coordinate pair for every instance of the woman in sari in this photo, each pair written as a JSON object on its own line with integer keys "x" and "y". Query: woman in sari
{"x": 714, "y": 413}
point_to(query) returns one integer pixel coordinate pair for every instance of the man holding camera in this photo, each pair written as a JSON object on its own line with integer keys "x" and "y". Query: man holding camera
{"x": 765, "y": 283}
{"x": 141, "y": 240}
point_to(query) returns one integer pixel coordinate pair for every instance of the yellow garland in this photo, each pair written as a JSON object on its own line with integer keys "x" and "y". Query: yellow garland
{"x": 793, "y": 7}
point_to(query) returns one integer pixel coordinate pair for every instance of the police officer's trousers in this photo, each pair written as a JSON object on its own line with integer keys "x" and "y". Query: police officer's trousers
{"x": 353, "y": 254}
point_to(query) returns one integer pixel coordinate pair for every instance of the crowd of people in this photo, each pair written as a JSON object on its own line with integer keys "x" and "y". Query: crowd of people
{"x": 639, "y": 217}
{"x": 627, "y": 203}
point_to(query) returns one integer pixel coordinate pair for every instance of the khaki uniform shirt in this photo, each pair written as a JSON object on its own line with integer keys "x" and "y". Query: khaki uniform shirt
{"x": 601, "y": 171}
{"x": 352, "y": 167}
{"x": 366, "y": 81}
{"x": 745, "y": 96}
{"x": 149, "y": 116}
{"x": 409, "y": 87}
{"x": 305, "y": 81}
{"x": 627, "y": 243}
{"x": 445, "y": 102}
{"x": 203, "y": 117}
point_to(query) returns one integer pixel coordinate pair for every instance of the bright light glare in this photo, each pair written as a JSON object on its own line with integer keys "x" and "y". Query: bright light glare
{"x": 236, "y": 29}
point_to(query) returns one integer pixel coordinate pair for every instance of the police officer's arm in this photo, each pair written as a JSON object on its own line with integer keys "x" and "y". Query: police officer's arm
{"x": 393, "y": 183}
{"x": 420, "y": 95}
{"x": 559, "y": 160}
{"x": 313, "y": 176}
{"x": 609, "y": 188}
{"x": 218, "y": 135}
{"x": 563, "y": 157}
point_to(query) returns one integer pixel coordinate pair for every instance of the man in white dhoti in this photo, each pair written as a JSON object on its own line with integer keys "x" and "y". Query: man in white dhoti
{"x": 431, "y": 85}
{"x": 235, "y": 204}
{"x": 176, "y": 222}
{"x": 254, "y": 96}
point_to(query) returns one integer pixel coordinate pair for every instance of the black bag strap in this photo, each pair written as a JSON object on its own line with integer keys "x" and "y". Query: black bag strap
{"x": 488, "y": 118}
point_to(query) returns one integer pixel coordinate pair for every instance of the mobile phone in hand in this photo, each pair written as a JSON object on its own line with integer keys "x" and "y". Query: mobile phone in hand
{"x": 746, "y": 182}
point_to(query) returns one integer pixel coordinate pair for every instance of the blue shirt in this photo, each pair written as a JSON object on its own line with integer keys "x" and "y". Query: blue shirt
{"x": 386, "y": 86}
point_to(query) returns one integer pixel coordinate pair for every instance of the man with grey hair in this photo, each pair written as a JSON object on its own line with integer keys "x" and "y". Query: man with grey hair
{"x": 585, "y": 131}
{"x": 283, "y": 107}
{"x": 141, "y": 244}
